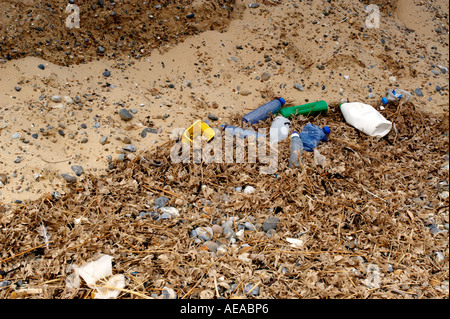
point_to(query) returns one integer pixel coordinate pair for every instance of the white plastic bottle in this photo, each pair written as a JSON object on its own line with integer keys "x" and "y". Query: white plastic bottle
{"x": 279, "y": 129}
{"x": 296, "y": 149}
{"x": 365, "y": 118}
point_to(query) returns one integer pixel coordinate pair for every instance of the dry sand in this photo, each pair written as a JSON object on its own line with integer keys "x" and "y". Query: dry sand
{"x": 223, "y": 52}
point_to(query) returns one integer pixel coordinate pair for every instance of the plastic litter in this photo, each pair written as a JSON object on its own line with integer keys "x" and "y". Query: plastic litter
{"x": 365, "y": 118}
{"x": 263, "y": 112}
{"x": 319, "y": 159}
{"x": 196, "y": 129}
{"x": 394, "y": 96}
{"x": 312, "y": 135}
{"x": 296, "y": 150}
{"x": 242, "y": 133}
{"x": 314, "y": 108}
{"x": 279, "y": 130}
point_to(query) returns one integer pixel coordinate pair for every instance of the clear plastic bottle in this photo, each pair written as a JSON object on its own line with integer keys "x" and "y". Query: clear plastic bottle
{"x": 279, "y": 130}
{"x": 234, "y": 130}
{"x": 394, "y": 96}
{"x": 296, "y": 150}
{"x": 312, "y": 135}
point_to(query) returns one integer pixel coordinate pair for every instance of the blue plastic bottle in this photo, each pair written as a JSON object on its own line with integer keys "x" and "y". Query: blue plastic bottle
{"x": 263, "y": 112}
{"x": 234, "y": 130}
{"x": 312, "y": 135}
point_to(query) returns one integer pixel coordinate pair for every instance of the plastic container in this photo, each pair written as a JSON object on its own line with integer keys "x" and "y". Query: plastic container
{"x": 394, "y": 96}
{"x": 314, "y": 108}
{"x": 312, "y": 135}
{"x": 296, "y": 150}
{"x": 279, "y": 130}
{"x": 198, "y": 128}
{"x": 365, "y": 118}
{"x": 263, "y": 112}
{"x": 234, "y": 130}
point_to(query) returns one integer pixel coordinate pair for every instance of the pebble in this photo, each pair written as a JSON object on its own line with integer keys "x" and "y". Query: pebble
{"x": 418, "y": 92}
{"x": 69, "y": 178}
{"x": 121, "y": 157}
{"x": 165, "y": 216}
{"x": 161, "y": 201}
{"x": 299, "y": 87}
{"x": 249, "y": 190}
{"x": 78, "y": 170}
{"x": 211, "y": 245}
{"x": 17, "y": 88}
{"x": 125, "y": 115}
{"x": 101, "y": 49}
{"x": 249, "y": 226}
{"x": 438, "y": 88}
{"x": 253, "y": 5}
{"x": 4, "y": 179}
{"x": 251, "y": 289}
{"x": 106, "y": 73}
{"x": 218, "y": 230}
{"x": 434, "y": 230}
{"x": 168, "y": 293}
{"x": 172, "y": 211}
{"x": 84, "y": 140}
{"x": 270, "y": 223}
{"x": 229, "y": 233}
{"x": 265, "y": 76}
{"x": 204, "y": 233}
{"x": 103, "y": 140}
{"x": 190, "y": 16}
{"x": 41, "y": 66}
{"x": 212, "y": 117}
{"x": 55, "y": 98}
{"x": 129, "y": 148}
{"x": 18, "y": 160}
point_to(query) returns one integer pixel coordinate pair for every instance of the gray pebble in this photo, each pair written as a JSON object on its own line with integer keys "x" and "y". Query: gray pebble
{"x": 253, "y": 5}
{"x": 251, "y": 289}
{"x": 18, "y": 160}
{"x": 299, "y": 87}
{"x": 41, "y": 66}
{"x": 204, "y": 233}
{"x": 161, "y": 201}
{"x": 17, "y": 88}
{"x": 103, "y": 140}
{"x": 212, "y": 246}
{"x": 125, "y": 115}
{"x": 271, "y": 223}
{"x": 106, "y": 73}
{"x": 418, "y": 92}
{"x": 134, "y": 111}
{"x": 129, "y": 148}
{"x": 212, "y": 117}
{"x": 229, "y": 233}
{"x": 434, "y": 230}
{"x": 121, "y": 157}
{"x": 101, "y": 49}
{"x": 165, "y": 216}
{"x": 69, "y": 178}
{"x": 84, "y": 140}
{"x": 249, "y": 226}
{"x": 78, "y": 170}
{"x": 56, "y": 98}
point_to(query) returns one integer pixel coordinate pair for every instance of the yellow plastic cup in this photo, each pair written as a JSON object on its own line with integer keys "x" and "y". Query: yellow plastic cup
{"x": 198, "y": 128}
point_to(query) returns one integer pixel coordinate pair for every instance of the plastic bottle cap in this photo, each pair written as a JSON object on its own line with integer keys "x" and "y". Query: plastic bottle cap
{"x": 295, "y": 134}
{"x": 384, "y": 101}
{"x": 326, "y": 129}
{"x": 282, "y": 101}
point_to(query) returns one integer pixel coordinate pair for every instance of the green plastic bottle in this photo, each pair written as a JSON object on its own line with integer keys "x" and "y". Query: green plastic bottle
{"x": 313, "y": 108}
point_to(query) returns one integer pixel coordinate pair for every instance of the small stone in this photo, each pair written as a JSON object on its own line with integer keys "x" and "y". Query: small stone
{"x": 121, "y": 157}
{"x": 41, "y": 66}
{"x": 229, "y": 233}
{"x": 125, "y": 115}
{"x": 321, "y": 67}
{"x": 17, "y": 88}
{"x": 253, "y": 5}
{"x": 251, "y": 289}
{"x": 249, "y": 190}
{"x": 69, "y": 178}
{"x": 245, "y": 92}
{"x": 106, "y": 73}
{"x": 392, "y": 79}
{"x": 18, "y": 160}
{"x": 165, "y": 216}
{"x": 168, "y": 293}
{"x": 84, "y": 140}
{"x": 438, "y": 88}
{"x": 129, "y": 148}
{"x": 212, "y": 117}
{"x": 270, "y": 223}
{"x": 418, "y": 92}
{"x": 212, "y": 246}
{"x": 204, "y": 233}
{"x": 265, "y": 76}
{"x": 4, "y": 179}
{"x": 78, "y": 170}
{"x": 161, "y": 201}
{"x": 103, "y": 140}
{"x": 35, "y": 135}
{"x": 56, "y": 98}
{"x": 101, "y": 49}
{"x": 249, "y": 226}
{"x": 434, "y": 230}
{"x": 190, "y": 16}
{"x": 299, "y": 87}
{"x": 15, "y": 135}
{"x": 217, "y": 230}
